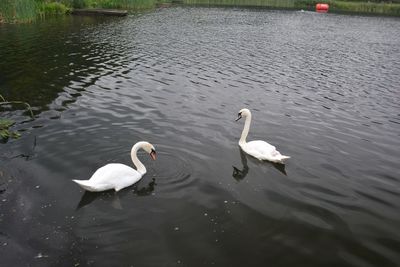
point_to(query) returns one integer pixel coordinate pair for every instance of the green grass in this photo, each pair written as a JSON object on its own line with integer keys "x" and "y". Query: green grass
{"x": 17, "y": 10}
{"x": 28, "y": 10}
{"x": 12, "y": 11}
{"x": 356, "y": 6}
{"x": 52, "y": 8}
{"x": 366, "y": 7}
{"x": 117, "y": 4}
{"x": 256, "y": 3}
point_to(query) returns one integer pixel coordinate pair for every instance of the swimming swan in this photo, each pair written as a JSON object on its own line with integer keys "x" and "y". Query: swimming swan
{"x": 258, "y": 149}
{"x": 116, "y": 175}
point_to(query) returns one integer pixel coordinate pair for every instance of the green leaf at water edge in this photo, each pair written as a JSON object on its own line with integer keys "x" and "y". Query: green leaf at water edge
{"x": 6, "y": 123}
{"x": 4, "y": 132}
{"x": 15, "y": 135}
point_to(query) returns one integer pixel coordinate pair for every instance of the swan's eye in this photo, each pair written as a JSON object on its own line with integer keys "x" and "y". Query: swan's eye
{"x": 240, "y": 114}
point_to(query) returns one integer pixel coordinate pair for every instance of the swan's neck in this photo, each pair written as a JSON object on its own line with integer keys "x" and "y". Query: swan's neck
{"x": 139, "y": 165}
{"x": 246, "y": 129}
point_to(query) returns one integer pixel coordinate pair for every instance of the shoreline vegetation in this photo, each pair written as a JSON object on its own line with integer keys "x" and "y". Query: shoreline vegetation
{"x": 372, "y": 7}
{"x": 5, "y": 124}
{"x": 21, "y": 11}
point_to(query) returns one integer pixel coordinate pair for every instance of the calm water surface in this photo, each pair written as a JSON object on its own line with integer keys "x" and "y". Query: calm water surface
{"x": 324, "y": 89}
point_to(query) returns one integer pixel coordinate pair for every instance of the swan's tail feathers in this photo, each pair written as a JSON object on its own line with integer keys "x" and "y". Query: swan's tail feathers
{"x": 283, "y": 158}
{"x": 85, "y": 184}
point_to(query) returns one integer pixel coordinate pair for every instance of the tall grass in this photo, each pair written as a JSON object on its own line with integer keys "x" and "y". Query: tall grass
{"x": 29, "y": 10}
{"x": 51, "y": 8}
{"x": 17, "y": 10}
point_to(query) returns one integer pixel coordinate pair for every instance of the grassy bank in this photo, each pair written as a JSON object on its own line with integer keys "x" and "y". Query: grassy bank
{"x": 290, "y": 4}
{"x": 117, "y": 4}
{"x": 391, "y": 8}
{"x": 29, "y": 10}
{"x": 12, "y": 11}
{"x": 17, "y": 10}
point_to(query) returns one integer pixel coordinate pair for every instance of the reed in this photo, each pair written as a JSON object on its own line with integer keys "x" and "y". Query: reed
{"x": 52, "y": 8}
{"x": 17, "y": 10}
{"x": 12, "y": 11}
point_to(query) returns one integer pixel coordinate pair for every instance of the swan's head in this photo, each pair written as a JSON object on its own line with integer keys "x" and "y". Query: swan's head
{"x": 243, "y": 113}
{"x": 149, "y": 148}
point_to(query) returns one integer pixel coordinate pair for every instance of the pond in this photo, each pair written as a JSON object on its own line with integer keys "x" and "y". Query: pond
{"x": 323, "y": 88}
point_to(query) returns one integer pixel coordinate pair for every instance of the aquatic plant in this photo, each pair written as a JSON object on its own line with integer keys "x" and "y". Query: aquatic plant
{"x": 5, "y": 133}
{"x": 5, "y": 124}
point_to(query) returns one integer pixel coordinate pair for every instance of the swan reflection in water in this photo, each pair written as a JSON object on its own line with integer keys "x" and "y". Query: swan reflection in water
{"x": 113, "y": 197}
{"x": 240, "y": 174}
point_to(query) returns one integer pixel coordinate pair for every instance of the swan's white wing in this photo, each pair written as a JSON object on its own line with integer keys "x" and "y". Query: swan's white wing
{"x": 115, "y": 175}
{"x": 263, "y": 151}
{"x": 261, "y": 147}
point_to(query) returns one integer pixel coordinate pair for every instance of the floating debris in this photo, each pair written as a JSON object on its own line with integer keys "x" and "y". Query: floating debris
{"x": 40, "y": 255}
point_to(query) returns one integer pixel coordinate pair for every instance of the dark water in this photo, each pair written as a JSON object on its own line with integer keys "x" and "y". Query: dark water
{"x": 325, "y": 89}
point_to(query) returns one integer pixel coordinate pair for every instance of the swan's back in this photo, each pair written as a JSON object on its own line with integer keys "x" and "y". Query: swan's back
{"x": 259, "y": 147}
{"x": 263, "y": 151}
{"x": 113, "y": 171}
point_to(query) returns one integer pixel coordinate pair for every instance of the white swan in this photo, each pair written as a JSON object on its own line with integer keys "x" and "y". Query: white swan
{"x": 258, "y": 149}
{"x": 116, "y": 175}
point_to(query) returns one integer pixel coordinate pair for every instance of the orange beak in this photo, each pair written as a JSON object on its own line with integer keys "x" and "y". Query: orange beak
{"x": 153, "y": 155}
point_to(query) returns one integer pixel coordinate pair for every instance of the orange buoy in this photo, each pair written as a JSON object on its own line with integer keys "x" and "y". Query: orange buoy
{"x": 322, "y": 8}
